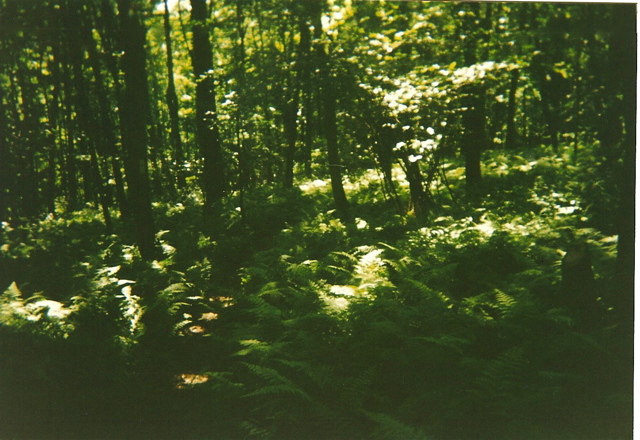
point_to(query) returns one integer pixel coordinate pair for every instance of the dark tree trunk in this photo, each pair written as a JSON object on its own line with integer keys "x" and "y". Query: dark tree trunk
{"x": 207, "y": 134}
{"x": 172, "y": 103}
{"x": 330, "y": 124}
{"x": 304, "y": 59}
{"x": 93, "y": 181}
{"x": 244, "y": 174}
{"x": 512, "y": 133}
{"x": 134, "y": 111}
{"x": 335, "y": 167}
{"x": 5, "y": 160}
{"x": 28, "y": 182}
{"x": 419, "y": 197}
{"x": 291, "y": 135}
{"x": 623, "y": 67}
{"x": 108, "y": 138}
{"x": 578, "y": 280}
{"x": 473, "y": 118}
{"x": 383, "y": 143}
{"x": 473, "y": 121}
{"x": 70, "y": 177}
{"x": 297, "y": 80}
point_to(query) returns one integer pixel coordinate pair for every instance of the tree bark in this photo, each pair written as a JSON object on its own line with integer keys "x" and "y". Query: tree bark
{"x": 328, "y": 104}
{"x": 172, "y": 103}
{"x": 474, "y": 117}
{"x": 5, "y": 160}
{"x": 108, "y": 130}
{"x": 207, "y": 133}
{"x": 623, "y": 69}
{"x": 512, "y": 133}
{"x": 474, "y": 137}
{"x": 134, "y": 110}
{"x": 305, "y": 67}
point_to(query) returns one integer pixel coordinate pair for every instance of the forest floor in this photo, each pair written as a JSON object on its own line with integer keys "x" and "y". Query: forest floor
{"x": 294, "y": 323}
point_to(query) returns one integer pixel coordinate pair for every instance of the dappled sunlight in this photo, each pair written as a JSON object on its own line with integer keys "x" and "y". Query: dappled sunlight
{"x": 327, "y": 219}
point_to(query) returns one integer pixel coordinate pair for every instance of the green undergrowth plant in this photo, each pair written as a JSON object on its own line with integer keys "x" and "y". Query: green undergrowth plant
{"x": 285, "y": 321}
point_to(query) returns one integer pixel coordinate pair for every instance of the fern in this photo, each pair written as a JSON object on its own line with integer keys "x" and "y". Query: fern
{"x": 427, "y": 292}
{"x": 500, "y": 379}
{"x": 448, "y": 341}
{"x": 389, "y": 428}
{"x": 261, "y": 348}
{"x": 279, "y": 390}
{"x": 505, "y": 301}
{"x": 276, "y": 384}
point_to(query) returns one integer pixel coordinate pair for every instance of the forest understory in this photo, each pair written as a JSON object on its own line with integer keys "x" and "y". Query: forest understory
{"x": 330, "y": 220}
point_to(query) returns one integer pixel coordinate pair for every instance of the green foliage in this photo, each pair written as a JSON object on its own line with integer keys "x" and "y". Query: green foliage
{"x": 272, "y": 315}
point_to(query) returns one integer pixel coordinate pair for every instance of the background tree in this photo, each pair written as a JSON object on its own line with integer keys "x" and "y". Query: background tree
{"x": 134, "y": 113}
{"x": 172, "y": 102}
{"x": 207, "y": 133}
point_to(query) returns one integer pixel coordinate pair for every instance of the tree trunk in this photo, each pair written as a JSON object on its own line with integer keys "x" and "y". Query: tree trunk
{"x": 512, "y": 133}
{"x": 291, "y": 134}
{"x": 134, "y": 110}
{"x": 108, "y": 139}
{"x": 419, "y": 197}
{"x": 305, "y": 65}
{"x": 474, "y": 137}
{"x": 328, "y": 105}
{"x": 207, "y": 134}
{"x": 5, "y": 160}
{"x": 172, "y": 103}
{"x": 473, "y": 118}
{"x": 623, "y": 69}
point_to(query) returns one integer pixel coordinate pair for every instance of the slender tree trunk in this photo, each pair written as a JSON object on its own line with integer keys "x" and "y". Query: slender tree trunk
{"x": 384, "y": 141}
{"x": 108, "y": 129}
{"x": 52, "y": 102}
{"x": 291, "y": 135}
{"x": 134, "y": 111}
{"x": 512, "y": 133}
{"x": 473, "y": 118}
{"x": 330, "y": 124}
{"x": 172, "y": 103}
{"x": 207, "y": 133}
{"x": 419, "y": 197}
{"x": 5, "y": 160}
{"x": 474, "y": 138}
{"x": 331, "y": 135}
{"x": 295, "y": 79}
{"x": 70, "y": 162}
{"x": 623, "y": 68}
{"x": 306, "y": 89}
{"x": 85, "y": 115}
{"x": 243, "y": 151}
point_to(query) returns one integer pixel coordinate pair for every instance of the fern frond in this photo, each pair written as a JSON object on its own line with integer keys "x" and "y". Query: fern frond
{"x": 261, "y": 308}
{"x": 270, "y": 289}
{"x": 279, "y": 390}
{"x": 504, "y": 300}
{"x": 267, "y": 374}
{"x": 320, "y": 375}
{"x": 430, "y": 293}
{"x": 501, "y": 375}
{"x": 349, "y": 257}
{"x": 448, "y": 341}
{"x": 277, "y": 384}
{"x": 260, "y": 347}
{"x": 389, "y": 428}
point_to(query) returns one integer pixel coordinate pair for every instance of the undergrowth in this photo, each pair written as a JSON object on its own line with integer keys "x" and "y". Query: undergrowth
{"x": 292, "y": 323}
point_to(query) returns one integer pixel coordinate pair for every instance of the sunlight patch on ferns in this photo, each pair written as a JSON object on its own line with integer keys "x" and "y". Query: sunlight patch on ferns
{"x": 37, "y": 312}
